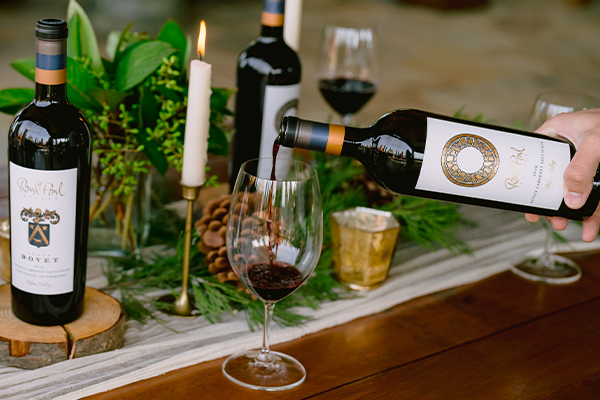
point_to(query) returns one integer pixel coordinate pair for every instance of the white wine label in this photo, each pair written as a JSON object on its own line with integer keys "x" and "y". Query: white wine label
{"x": 280, "y": 101}
{"x": 486, "y": 164}
{"x": 42, "y": 229}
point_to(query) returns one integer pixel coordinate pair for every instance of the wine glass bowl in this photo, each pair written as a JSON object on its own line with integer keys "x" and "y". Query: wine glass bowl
{"x": 274, "y": 235}
{"x": 549, "y": 104}
{"x": 347, "y": 67}
{"x": 549, "y": 267}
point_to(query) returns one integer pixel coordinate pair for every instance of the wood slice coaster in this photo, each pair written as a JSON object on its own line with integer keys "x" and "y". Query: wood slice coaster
{"x": 101, "y": 328}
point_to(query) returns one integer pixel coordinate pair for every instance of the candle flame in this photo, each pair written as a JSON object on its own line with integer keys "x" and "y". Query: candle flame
{"x": 202, "y": 40}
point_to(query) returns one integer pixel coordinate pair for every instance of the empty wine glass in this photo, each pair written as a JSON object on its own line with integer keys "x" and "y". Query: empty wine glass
{"x": 274, "y": 236}
{"x": 347, "y": 67}
{"x": 550, "y": 267}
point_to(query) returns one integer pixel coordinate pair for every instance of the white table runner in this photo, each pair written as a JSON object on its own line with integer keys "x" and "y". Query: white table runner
{"x": 502, "y": 239}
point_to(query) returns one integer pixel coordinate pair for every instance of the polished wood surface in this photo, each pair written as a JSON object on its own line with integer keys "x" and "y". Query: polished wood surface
{"x": 500, "y": 338}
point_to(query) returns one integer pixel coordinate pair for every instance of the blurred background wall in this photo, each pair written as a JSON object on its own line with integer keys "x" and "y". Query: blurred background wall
{"x": 493, "y": 59}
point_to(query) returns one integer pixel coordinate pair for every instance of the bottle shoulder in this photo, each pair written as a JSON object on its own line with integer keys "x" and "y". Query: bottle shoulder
{"x": 269, "y": 57}
{"x": 48, "y": 121}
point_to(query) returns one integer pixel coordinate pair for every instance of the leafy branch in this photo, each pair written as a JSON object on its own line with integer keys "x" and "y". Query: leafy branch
{"x": 428, "y": 223}
{"x": 135, "y": 278}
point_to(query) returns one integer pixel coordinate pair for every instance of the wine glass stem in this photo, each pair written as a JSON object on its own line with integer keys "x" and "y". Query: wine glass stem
{"x": 544, "y": 259}
{"x": 346, "y": 119}
{"x": 264, "y": 351}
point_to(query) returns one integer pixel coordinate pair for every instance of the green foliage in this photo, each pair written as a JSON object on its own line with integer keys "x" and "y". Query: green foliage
{"x": 428, "y": 223}
{"x": 135, "y": 278}
{"x": 82, "y": 38}
{"x": 135, "y": 101}
{"x": 477, "y": 118}
{"x": 26, "y": 66}
{"x": 11, "y": 100}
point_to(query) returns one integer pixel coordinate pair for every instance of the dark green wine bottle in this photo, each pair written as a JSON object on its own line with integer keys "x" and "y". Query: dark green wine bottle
{"x": 422, "y": 154}
{"x": 49, "y": 152}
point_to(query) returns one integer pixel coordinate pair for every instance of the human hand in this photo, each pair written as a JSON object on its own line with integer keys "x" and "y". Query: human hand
{"x": 582, "y": 128}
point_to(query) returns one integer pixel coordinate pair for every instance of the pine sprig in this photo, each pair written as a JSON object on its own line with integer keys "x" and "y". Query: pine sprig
{"x": 135, "y": 278}
{"x": 428, "y": 223}
{"x": 213, "y": 298}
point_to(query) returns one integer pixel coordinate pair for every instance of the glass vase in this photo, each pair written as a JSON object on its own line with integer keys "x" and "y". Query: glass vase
{"x": 119, "y": 223}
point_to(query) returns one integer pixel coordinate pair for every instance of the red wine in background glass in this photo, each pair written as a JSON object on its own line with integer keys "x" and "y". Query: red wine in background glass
{"x": 346, "y": 96}
{"x": 273, "y": 281}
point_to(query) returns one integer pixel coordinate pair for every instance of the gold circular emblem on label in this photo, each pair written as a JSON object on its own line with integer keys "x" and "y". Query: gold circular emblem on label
{"x": 469, "y": 179}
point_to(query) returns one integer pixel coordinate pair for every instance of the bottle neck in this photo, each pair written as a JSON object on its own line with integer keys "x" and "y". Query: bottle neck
{"x": 272, "y": 18}
{"x": 272, "y": 31}
{"x": 51, "y": 70}
{"x": 316, "y": 136}
{"x": 51, "y": 93}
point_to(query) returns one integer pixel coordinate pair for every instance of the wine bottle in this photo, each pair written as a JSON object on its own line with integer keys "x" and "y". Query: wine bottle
{"x": 268, "y": 88}
{"x": 49, "y": 151}
{"x": 422, "y": 154}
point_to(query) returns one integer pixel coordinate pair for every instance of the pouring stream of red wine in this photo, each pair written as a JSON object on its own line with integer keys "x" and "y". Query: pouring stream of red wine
{"x": 269, "y": 211}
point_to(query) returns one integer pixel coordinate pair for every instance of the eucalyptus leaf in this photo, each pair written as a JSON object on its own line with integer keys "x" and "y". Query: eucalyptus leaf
{"x": 148, "y": 115}
{"x": 217, "y": 141}
{"x": 122, "y": 46}
{"x": 107, "y": 96}
{"x": 169, "y": 94}
{"x": 219, "y": 99}
{"x": 11, "y": 100}
{"x": 108, "y": 66}
{"x": 85, "y": 33}
{"x": 74, "y": 40}
{"x": 139, "y": 63}
{"x": 26, "y": 66}
{"x": 79, "y": 82}
{"x": 112, "y": 43}
{"x": 171, "y": 33}
{"x": 130, "y": 46}
{"x": 152, "y": 151}
{"x": 148, "y": 109}
{"x": 188, "y": 53}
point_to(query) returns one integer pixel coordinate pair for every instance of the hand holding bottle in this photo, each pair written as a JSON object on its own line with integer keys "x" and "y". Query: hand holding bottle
{"x": 582, "y": 128}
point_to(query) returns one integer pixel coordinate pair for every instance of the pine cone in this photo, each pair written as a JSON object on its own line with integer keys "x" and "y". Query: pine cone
{"x": 212, "y": 227}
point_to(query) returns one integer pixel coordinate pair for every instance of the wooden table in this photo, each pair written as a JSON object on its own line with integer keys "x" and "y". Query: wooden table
{"x": 500, "y": 338}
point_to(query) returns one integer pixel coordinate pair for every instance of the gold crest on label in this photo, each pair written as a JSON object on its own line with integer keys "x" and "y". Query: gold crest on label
{"x": 478, "y": 177}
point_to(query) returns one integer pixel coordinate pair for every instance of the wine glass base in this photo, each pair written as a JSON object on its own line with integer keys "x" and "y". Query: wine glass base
{"x": 282, "y": 373}
{"x": 556, "y": 270}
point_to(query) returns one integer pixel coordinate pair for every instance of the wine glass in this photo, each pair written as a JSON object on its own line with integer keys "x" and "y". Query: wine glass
{"x": 550, "y": 267}
{"x": 274, "y": 237}
{"x": 347, "y": 67}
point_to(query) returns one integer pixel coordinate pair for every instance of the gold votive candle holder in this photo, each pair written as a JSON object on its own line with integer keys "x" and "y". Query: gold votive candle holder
{"x": 364, "y": 241}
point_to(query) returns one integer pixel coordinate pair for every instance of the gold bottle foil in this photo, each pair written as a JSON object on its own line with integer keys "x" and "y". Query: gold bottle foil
{"x": 364, "y": 241}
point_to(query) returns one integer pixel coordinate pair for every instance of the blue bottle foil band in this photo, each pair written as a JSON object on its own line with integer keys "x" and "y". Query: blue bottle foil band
{"x": 51, "y": 62}
{"x": 273, "y": 12}
{"x": 325, "y": 138}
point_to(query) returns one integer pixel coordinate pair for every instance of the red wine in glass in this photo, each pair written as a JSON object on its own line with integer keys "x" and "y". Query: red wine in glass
{"x": 274, "y": 280}
{"x": 272, "y": 257}
{"x": 346, "y": 96}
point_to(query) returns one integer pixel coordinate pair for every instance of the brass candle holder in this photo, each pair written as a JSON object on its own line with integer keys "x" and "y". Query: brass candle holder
{"x": 182, "y": 306}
